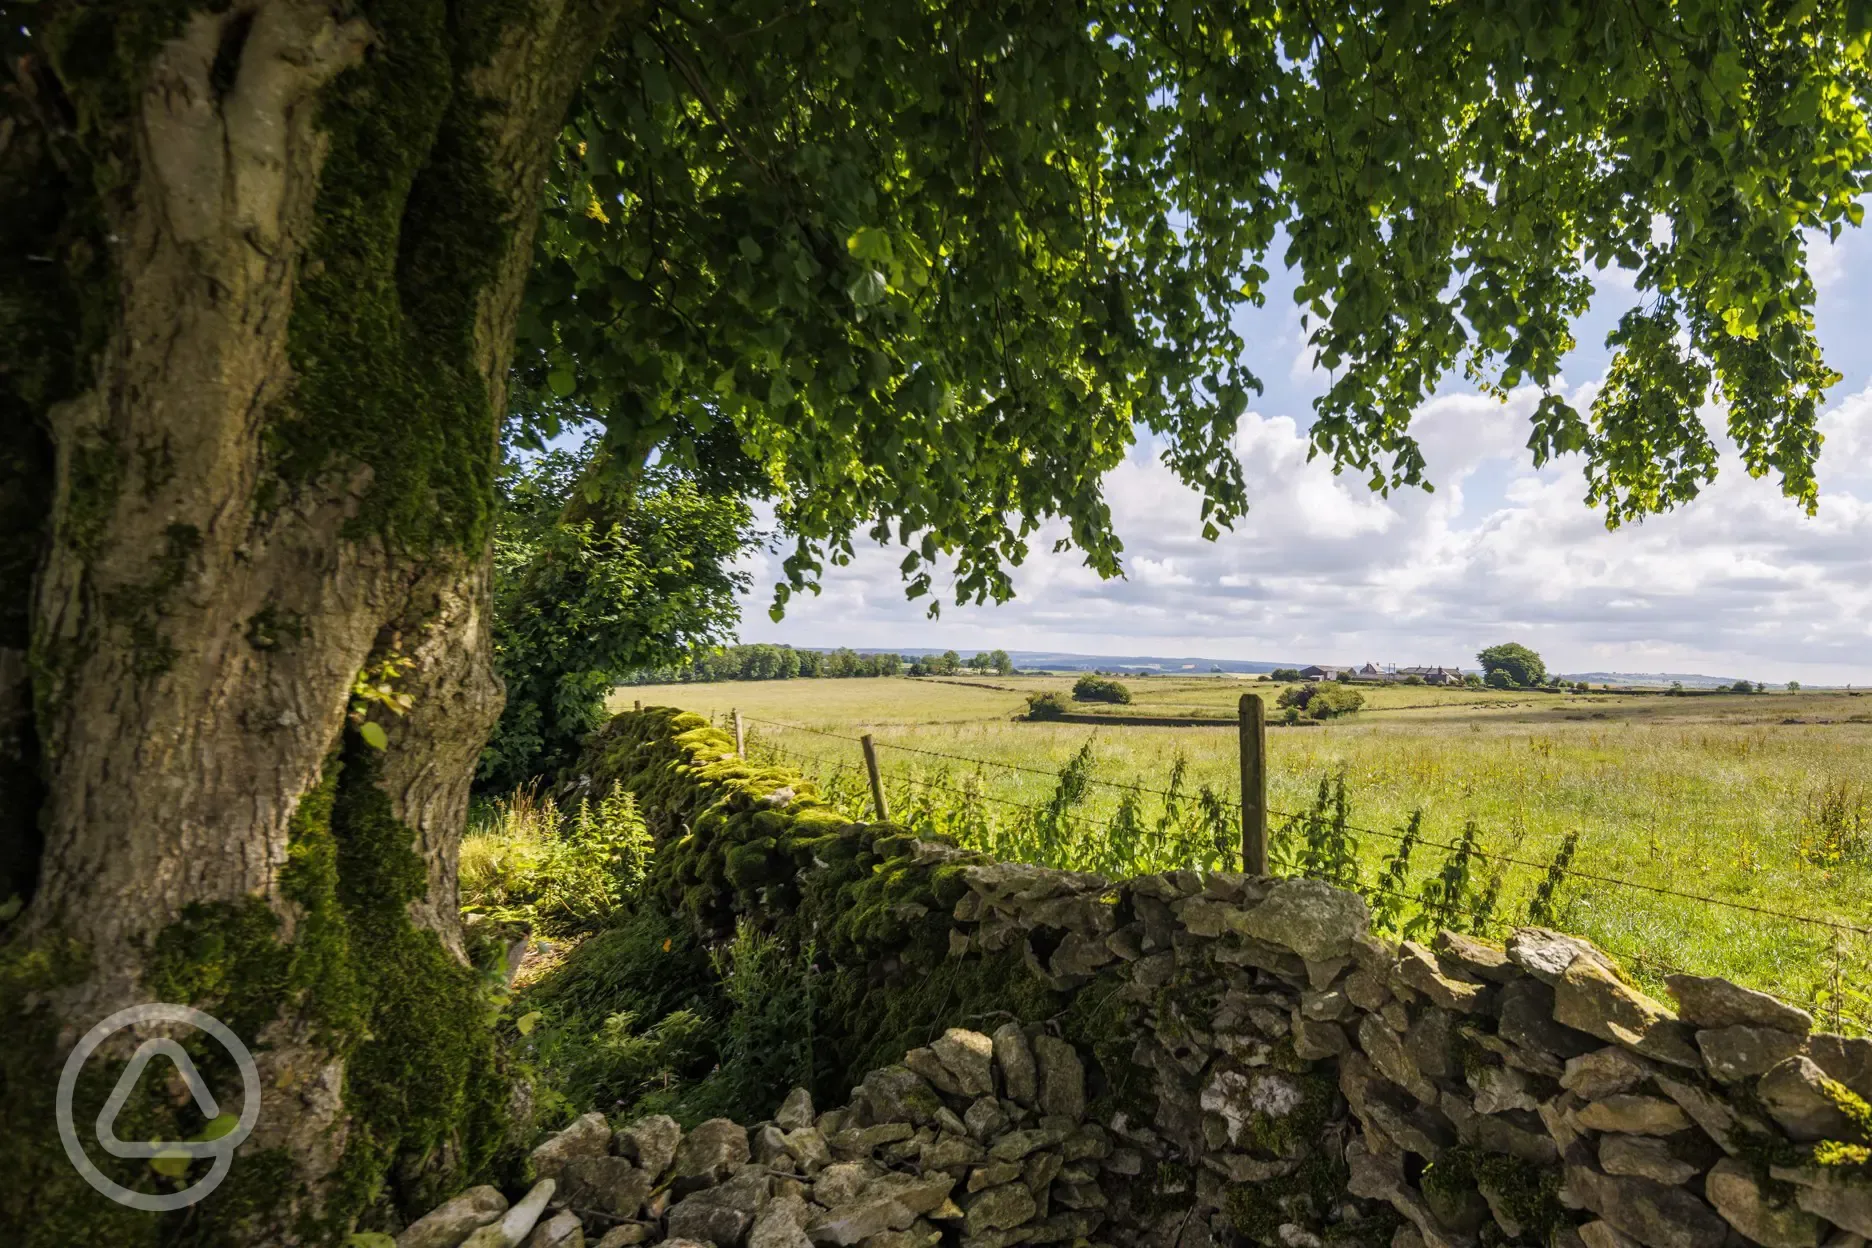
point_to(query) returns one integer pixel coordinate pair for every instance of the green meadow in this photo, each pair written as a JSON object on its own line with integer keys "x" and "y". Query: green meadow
{"x": 1760, "y": 800}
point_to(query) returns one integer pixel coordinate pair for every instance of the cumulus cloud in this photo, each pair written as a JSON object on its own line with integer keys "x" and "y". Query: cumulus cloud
{"x": 1738, "y": 583}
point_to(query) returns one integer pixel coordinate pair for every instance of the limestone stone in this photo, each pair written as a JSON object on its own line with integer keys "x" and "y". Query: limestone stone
{"x": 1514, "y": 1132}
{"x": 1804, "y": 1101}
{"x": 1719, "y": 1120}
{"x": 1367, "y": 990}
{"x": 1649, "y": 1212}
{"x": 1326, "y": 1005}
{"x": 562, "y": 1230}
{"x": 1707, "y": 1002}
{"x": 1389, "y": 1056}
{"x": 780, "y": 1224}
{"x": 1088, "y": 1143}
{"x": 1499, "y": 1089}
{"x": 1732, "y": 1187}
{"x": 998, "y": 1208}
{"x": 650, "y": 1142}
{"x": 1019, "y": 1075}
{"x": 517, "y": 1223}
{"x": 808, "y": 1147}
{"x": 1527, "y": 1022}
{"x": 1017, "y": 1144}
{"x": 721, "y": 1214}
{"x": 984, "y": 1119}
{"x": 1605, "y": 1072}
{"x": 767, "y": 1143}
{"x": 1480, "y": 959}
{"x": 795, "y": 1112}
{"x": 858, "y": 1142}
{"x": 1638, "y": 1115}
{"x": 841, "y": 1183}
{"x": 899, "y": 1094}
{"x": 1062, "y": 1077}
{"x": 708, "y": 1154}
{"x": 610, "y": 1185}
{"x": 1546, "y": 954}
{"x": 969, "y": 1056}
{"x": 1842, "y": 1199}
{"x": 1431, "y": 1042}
{"x": 1740, "y": 1052}
{"x": 929, "y": 1067}
{"x": 628, "y": 1235}
{"x": 1312, "y": 918}
{"x": 1645, "y": 1157}
{"x": 1419, "y": 970}
{"x": 590, "y": 1136}
{"x": 1591, "y": 999}
{"x": 1602, "y": 1234}
{"x": 452, "y": 1221}
{"x": 1313, "y": 1041}
{"x": 994, "y": 1174}
{"x": 1845, "y": 1058}
{"x": 949, "y": 1151}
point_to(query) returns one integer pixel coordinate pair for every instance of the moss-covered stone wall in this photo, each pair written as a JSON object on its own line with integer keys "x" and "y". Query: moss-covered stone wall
{"x": 1284, "y": 1077}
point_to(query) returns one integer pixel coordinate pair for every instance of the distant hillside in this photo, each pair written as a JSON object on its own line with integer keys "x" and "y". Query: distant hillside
{"x": 1689, "y": 680}
{"x": 1054, "y": 660}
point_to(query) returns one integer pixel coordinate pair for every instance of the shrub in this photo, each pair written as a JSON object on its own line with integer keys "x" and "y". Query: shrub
{"x": 1098, "y": 689}
{"x": 1286, "y": 675}
{"x": 526, "y": 863}
{"x": 1046, "y": 706}
{"x": 1320, "y": 701}
{"x": 1500, "y": 679}
{"x": 1412, "y": 680}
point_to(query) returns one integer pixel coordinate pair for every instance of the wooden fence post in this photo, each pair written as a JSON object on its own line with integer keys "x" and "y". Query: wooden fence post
{"x": 877, "y": 784}
{"x": 638, "y": 706}
{"x": 1254, "y": 844}
{"x": 740, "y": 741}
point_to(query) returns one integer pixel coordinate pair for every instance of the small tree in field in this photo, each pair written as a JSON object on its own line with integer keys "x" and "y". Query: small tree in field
{"x": 1046, "y": 706}
{"x": 1099, "y": 689}
{"x": 1522, "y": 665}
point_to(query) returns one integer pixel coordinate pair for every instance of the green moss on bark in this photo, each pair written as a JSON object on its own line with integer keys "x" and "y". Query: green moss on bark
{"x": 409, "y": 235}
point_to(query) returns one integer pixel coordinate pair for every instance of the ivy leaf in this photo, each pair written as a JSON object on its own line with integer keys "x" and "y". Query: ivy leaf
{"x": 527, "y": 1022}
{"x": 562, "y": 382}
{"x": 374, "y": 735}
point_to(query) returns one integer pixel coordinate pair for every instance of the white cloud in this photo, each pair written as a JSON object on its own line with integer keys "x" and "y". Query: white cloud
{"x": 1738, "y": 583}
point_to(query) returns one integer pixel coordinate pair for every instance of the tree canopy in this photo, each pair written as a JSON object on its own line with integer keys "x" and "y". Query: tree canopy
{"x": 932, "y": 271}
{"x": 590, "y": 583}
{"x": 1519, "y": 665}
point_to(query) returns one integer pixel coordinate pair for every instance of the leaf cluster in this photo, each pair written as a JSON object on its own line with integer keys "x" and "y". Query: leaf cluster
{"x": 933, "y": 271}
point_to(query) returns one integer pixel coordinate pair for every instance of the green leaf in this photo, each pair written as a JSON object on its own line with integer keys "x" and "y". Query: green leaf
{"x": 561, "y": 381}
{"x": 373, "y": 735}
{"x": 10, "y": 908}
{"x": 218, "y": 1126}
{"x": 171, "y": 1165}
{"x": 870, "y": 244}
{"x": 369, "y": 1239}
{"x": 527, "y": 1022}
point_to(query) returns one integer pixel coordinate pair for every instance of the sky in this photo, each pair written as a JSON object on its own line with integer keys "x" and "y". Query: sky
{"x": 1739, "y": 583}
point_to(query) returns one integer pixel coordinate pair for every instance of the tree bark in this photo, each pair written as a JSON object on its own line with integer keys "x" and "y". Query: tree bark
{"x": 272, "y": 256}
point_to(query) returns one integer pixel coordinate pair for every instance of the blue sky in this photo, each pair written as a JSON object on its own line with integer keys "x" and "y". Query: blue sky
{"x": 1738, "y": 583}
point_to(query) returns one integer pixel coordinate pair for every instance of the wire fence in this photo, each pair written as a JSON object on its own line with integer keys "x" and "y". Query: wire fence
{"x": 1831, "y": 1003}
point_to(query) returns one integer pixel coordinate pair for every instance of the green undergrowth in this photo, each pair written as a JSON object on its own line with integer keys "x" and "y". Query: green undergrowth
{"x": 775, "y": 943}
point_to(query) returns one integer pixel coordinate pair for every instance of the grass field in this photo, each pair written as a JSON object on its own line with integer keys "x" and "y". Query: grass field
{"x": 1763, "y": 800}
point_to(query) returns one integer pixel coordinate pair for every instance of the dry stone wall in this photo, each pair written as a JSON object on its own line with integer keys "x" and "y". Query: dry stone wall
{"x": 1275, "y": 1075}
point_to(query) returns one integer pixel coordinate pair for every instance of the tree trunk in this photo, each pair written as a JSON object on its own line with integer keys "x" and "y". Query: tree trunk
{"x": 262, "y": 265}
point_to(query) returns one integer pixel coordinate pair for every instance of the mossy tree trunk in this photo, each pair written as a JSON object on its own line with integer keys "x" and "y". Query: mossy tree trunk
{"x": 259, "y": 270}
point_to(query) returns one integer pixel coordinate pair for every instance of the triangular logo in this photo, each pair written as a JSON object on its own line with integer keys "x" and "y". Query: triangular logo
{"x": 126, "y": 1084}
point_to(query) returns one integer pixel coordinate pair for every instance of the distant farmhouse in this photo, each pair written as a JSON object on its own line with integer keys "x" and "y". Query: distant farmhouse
{"x": 1371, "y": 671}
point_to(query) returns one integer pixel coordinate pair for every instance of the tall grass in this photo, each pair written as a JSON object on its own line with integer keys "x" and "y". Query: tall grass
{"x": 526, "y": 861}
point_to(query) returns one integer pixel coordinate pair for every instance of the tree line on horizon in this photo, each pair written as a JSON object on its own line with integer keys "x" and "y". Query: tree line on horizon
{"x": 766, "y": 661}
